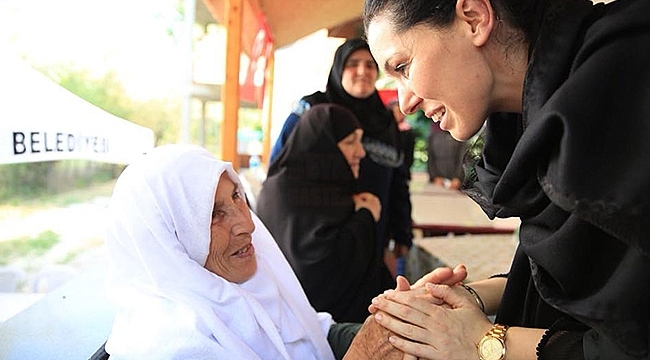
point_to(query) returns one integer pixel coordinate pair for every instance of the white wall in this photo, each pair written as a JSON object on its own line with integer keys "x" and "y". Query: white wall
{"x": 300, "y": 69}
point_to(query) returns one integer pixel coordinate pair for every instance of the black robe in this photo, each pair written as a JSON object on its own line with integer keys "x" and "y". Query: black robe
{"x": 382, "y": 172}
{"x": 306, "y": 203}
{"x": 575, "y": 168}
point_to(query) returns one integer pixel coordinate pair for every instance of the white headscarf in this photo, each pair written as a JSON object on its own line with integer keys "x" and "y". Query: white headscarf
{"x": 168, "y": 306}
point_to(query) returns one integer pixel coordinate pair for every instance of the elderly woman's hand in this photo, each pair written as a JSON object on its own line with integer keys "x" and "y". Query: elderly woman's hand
{"x": 425, "y": 329}
{"x": 371, "y": 343}
{"x": 369, "y": 201}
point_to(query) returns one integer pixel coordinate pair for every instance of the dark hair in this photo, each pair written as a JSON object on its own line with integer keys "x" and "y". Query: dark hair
{"x": 405, "y": 14}
{"x": 522, "y": 15}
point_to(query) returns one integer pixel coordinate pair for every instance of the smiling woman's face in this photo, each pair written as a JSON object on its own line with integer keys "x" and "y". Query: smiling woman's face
{"x": 446, "y": 72}
{"x": 440, "y": 72}
{"x": 359, "y": 74}
{"x": 232, "y": 255}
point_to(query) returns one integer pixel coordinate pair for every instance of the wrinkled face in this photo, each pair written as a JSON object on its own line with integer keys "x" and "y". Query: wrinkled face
{"x": 352, "y": 149}
{"x": 359, "y": 74}
{"x": 442, "y": 72}
{"x": 232, "y": 255}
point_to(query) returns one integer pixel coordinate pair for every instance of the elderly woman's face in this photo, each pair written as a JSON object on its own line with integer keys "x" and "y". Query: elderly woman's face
{"x": 232, "y": 255}
{"x": 352, "y": 149}
{"x": 441, "y": 72}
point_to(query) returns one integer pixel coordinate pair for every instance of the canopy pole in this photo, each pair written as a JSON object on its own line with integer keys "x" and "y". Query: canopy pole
{"x": 267, "y": 109}
{"x": 230, "y": 89}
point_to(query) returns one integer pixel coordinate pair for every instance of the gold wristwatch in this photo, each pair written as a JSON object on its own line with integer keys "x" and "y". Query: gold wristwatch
{"x": 493, "y": 344}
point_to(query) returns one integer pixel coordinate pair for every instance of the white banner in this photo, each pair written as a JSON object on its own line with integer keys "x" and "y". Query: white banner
{"x": 42, "y": 121}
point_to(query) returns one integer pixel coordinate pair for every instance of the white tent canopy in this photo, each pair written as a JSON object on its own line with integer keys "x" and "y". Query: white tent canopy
{"x": 42, "y": 121}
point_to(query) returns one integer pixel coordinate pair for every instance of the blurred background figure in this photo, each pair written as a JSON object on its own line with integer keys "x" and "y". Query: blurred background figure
{"x": 351, "y": 83}
{"x": 445, "y": 158}
{"x": 405, "y": 136}
{"x": 324, "y": 227}
{"x": 394, "y": 259}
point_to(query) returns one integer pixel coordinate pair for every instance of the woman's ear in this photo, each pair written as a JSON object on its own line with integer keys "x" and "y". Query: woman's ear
{"x": 478, "y": 17}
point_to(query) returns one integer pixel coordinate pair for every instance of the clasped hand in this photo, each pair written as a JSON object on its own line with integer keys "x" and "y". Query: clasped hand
{"x": 435, "y": 318}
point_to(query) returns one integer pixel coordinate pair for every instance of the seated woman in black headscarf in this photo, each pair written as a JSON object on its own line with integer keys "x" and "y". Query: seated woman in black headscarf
{"x": 325, "y": 229}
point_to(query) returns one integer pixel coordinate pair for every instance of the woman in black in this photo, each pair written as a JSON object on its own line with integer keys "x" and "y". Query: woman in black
{"x": 565, "y": 87}
{"x": 325, "y": 229}
{"x": 351, "y": 83}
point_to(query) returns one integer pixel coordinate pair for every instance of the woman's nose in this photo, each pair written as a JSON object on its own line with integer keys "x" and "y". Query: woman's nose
{"x": 243, "y": 219}
{"x": 408, "y": 101}
{"x": 361, "y": 152}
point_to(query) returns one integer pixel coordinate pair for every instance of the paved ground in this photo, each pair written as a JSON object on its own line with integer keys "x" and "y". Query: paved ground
{"x": 80, "y": 228}
{"x": 484, "y": 255}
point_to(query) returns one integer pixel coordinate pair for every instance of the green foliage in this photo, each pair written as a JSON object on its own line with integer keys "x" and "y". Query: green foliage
{"x": 421, "y": 127}
{"x": 23, "y": 180}
{"x": 18, "y": 248}
{"x": 250, "y": 118}
{"x": 23, "y": 183}
{"x": 108, "y": 93}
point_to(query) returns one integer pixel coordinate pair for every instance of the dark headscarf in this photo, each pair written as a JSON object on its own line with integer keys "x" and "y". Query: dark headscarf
{"x": 371, "y": 112}
{"x": 311, "y": 152}
{"x": 306, "y": 203}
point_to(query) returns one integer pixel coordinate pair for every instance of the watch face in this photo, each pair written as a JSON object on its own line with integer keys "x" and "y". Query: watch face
{"x": 491, "y": 348}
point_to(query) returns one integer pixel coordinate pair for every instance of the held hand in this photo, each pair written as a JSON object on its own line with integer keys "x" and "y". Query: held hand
{"x": 369, "y": 201}
{"x": 443, "y": 275}
{"x": 371, "y": 342}
{"x": 426, "y": 330}
{"x": 402, "y": 285}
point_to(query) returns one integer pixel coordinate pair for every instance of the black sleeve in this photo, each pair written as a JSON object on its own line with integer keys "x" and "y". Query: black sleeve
{"x": 346, "y": 257}
{"x": 340, "y": 337}
{"x": 562, "y": 341}
{"x": 357, "y": 237}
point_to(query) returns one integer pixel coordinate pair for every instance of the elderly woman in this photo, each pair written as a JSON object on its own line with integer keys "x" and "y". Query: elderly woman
{"x": 194, "y": 275}
{"x": 325, "y": 228}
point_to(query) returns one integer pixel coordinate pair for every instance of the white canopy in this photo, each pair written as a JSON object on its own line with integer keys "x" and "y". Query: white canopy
{"x": 42, "y": 121}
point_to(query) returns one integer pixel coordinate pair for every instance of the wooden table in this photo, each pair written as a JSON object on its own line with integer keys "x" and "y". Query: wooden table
{"x": 439, "y": 211}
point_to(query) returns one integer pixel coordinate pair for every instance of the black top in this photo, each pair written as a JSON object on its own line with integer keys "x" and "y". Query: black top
{"x": 306, "y": 203}
{"x": 575, "y": 169}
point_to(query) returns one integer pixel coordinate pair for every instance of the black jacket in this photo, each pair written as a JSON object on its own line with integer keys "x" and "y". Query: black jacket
{"x": 575, "y": 169}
